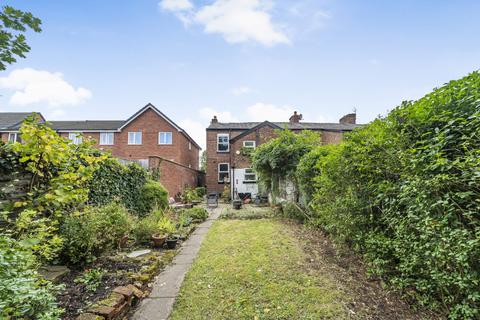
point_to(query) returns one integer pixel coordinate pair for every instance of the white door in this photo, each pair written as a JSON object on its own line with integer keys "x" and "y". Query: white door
{"x": 245, "y": 182}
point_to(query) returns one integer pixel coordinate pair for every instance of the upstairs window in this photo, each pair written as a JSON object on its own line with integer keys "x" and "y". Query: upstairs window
{"x": 75, "y": 137}
{"x": 164, "y": 138}
{"x": 223, "y": 172}
{"x": 223, "y": 144}
{"x": 13, "y": 137}
{"x": 250, "y": 175}
{"x": 106, "y": 138}
{"x": 249, "y": 144}
{"x": 135, "y": 138}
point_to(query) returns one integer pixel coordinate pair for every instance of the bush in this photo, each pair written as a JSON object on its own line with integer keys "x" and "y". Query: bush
{"x": 23, "y": 294}
{"x": 293, "y": 211}
{"x": 199, "y": 214}
{"x": 152, "y": 195}
{"x": 404, "y": 191}
{"x": 147, "y": 226}
{"x": 201, "y": 191}
{"x": 93, "y": 231}
{"x": 113, "y": 181}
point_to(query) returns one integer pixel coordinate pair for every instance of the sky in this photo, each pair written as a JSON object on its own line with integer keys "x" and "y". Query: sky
{"x": 242, "y": 60}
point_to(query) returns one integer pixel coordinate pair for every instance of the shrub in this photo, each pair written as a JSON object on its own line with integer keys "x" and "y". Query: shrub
{"x": 293, "y": 211}
{"x": 190, "y": 195}
{"x": 147, "y": 226}
{"x": 113, "y": 181}
{"x": 152, "y": 195}
{"x": 23, "y": 294}
{"x": 199, "y": 214}
{"x": 165, "y": 226}
{"x": 404, "y": 191}
{"x": 201, "y": 191}
{"x": 93, "y": 231}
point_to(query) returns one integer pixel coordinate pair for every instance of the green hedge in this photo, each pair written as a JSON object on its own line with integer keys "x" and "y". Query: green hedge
{"x": 405, "y": 191}
{"x": 114, "y": 181}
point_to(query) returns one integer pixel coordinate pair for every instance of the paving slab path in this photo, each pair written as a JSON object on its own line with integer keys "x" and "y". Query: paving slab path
{"x": 159, "y": 303}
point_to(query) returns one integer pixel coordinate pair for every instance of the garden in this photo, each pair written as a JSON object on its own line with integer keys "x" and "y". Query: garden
{"x": 403, "y": 191}
{"x": 81, "y": 234}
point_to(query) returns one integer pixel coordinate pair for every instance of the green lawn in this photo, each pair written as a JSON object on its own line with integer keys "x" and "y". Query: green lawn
{"x": 254, "y": 269}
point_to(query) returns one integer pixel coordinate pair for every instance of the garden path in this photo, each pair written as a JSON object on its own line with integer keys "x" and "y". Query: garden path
{"x": 160, "y": 302}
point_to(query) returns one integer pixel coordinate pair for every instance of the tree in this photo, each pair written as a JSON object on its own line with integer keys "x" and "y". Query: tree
{"x": 203, "y": 161}
{"x": 13, "y": 25}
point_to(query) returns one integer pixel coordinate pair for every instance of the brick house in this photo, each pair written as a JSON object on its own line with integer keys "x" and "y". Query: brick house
{"x": 148, "y": 137}
{"x": 227, "y": 163}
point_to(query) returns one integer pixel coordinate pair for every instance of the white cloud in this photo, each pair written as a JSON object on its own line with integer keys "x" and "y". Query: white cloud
{"x": 241, "y": 21}
{"x": 37, "y": 86}
{"x": 176, "y": 5}
{"x": 241, "y": 90}
{"x": 238, "y": 21}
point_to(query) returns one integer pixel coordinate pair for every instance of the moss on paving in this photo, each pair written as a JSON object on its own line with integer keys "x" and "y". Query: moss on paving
{"x": 255, "y": 270}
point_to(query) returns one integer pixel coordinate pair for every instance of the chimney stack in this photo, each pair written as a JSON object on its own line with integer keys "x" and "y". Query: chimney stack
{"x": 214, "y": 120}
{"x": 350, "y": 118}
{"x": 296, "y": 117}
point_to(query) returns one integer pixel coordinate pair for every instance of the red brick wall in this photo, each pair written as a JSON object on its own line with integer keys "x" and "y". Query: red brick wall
{"x": 4, "y": 137}
{"x": 150, "y": 124}
{"x": 173, "y": 176}
{"x": 260, "y": 136}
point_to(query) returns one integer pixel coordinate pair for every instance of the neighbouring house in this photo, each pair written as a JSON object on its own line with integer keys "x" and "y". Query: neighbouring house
{"x": 227, "y": 161}
{"x": 148, "y": 137}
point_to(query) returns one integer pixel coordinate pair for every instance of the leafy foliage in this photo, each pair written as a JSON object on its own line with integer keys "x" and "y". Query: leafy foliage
{"x": 113, "y": 180}
{"x": 91, "y": 279}
{"x": 195, "y": 214}
{"x": 23, "y": 294}
{"x": 152, "y": 196}
{"x": 13, "y": 25}
{"x": 404, "y": 190}
{"x": 89, "y": 233}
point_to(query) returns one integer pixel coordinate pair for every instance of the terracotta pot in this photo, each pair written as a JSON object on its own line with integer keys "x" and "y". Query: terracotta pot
{"x": 158, "y": 241}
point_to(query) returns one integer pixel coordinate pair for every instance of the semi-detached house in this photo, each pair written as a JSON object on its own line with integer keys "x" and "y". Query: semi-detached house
{"x": 148, "y": 137}
{"x": 229, "y": 165}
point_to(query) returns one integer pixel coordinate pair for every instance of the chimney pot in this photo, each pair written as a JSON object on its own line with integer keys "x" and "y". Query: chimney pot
{"x": 214, "y": 120}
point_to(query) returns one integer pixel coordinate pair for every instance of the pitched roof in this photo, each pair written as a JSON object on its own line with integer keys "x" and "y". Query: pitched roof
{"x": 13, "y": 120}
{"x": 117, "y": 125}
{"x": 258, "y": 126}
{"x": 87, "y": 125}
{"x": 289, "y": 125}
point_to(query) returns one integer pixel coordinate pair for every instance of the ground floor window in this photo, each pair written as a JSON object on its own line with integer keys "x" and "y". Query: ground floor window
{"x": 13, "y": 137}
{"x": 250, "y": 175}
{"x": 223, "y": 172}
{"x": 75, "y": 137}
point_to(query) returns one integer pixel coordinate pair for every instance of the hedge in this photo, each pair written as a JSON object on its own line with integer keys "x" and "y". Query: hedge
{"x": 405, "y": 191}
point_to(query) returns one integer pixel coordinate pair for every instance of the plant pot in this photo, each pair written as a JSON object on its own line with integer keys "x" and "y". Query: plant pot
{"x": 158, "y": 241}
{"x": 172, "y": 243}
{"x": 237, "y": 204}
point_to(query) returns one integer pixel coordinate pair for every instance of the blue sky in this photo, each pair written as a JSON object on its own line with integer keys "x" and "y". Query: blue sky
{"x": 245, "y": 60}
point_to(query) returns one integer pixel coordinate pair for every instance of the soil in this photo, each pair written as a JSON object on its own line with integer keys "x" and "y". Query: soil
{"x": 369, "y": 297}
{"x": 75, "y": 298}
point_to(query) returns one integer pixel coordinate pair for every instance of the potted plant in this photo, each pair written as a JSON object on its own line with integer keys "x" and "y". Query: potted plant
{"x": 164, "y": 228}
{"x": 172, "y": 241}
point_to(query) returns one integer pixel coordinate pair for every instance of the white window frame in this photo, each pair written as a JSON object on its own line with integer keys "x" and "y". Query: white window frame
{"x": 133, "y": 141}
{"x": 12, "y": 134}
{"x": 251, "y": 173}
{"x": 252, "y": 141}
{"x": 106, "y": 142}
{"x": 228, "y": 141}
{"x": 224, "y": 171}
{"x": 165, "y": 134}
{"x": 189, "y": 145}
{"x": 75, "y": 137}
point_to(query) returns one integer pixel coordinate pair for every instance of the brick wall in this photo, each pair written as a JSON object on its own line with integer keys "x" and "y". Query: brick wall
{"x": 150, "y": 124}
{"x": 175, "y": 177}
{"x": 260, "y": 136}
